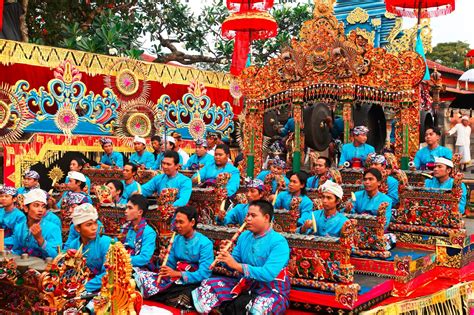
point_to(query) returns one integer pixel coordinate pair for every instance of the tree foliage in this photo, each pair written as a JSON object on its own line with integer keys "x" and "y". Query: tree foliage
{"x": 170, "y": 29}
{"x": 450, "y": 54}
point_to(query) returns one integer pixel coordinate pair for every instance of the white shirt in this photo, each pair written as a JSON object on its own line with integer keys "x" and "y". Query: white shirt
{"x": 464, "y": 134}
{"x": 184, "y": 155}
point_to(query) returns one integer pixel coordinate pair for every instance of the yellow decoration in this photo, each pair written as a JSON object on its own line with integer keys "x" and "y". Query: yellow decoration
{"x": 376, "y": 22}
{"x": 358, "y": 15}
{"x": 389, "y": 15}
{"x": 408, "y": 40}
{"x": 95, "y": 64}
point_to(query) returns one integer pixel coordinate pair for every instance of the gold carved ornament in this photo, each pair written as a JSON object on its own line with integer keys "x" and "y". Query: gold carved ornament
{"x": 358, "y": 15}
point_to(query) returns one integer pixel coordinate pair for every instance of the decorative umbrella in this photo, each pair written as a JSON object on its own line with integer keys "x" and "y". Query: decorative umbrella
{"x": 250, "y": 22}
{"x": 420, "y": 9}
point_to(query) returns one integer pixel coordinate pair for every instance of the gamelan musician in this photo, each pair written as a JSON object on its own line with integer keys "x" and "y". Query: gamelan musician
{"x": 110, "y": 158}
{"x": 186, "y": 264}
{"x": 30, "y": 181}
{"x": 130, "y": 185}
{"x": 356, "y": 152}
{"x": 321, "y": 170}
{"x": 221, "y": 164}
{"x": 328, "y": 221}
{"x": 139, "y": 237}
{"x": 141, "y": 157}
{"x": 170, "y": 178}
{"x": 425, "y": 157}
{"x": 94, "y": 245}
{"x": 260, "y": 258}
{"x": 200, "y": 158}
{"x": 379, "y": 162}
{"x": 10, "y": 215}
{"x": 277, "y": 168}
{"x": 36, "y": 236}
{"x": 236, "y": 215}
{"x": 442, "y": 179}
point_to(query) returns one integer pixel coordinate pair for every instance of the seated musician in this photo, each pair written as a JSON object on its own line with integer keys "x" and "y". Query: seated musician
{"x": 184, "y": 157}
{"x": 329, "y": 220}
{"x": 77, "y": 165}
{"x": 425, "y": 157}
{"x": 116, "y": 191}
{"x": 76, "y": 184}
{"x": 10, "y": 215}
{"x": 170, "y": 178}
{"x": 94, "y": 245}
{"x": 296, "y": 189}
{"x": 189, "y": 259}
{"x": 236, "y": 215}
{"x": 49, "y": 214}
{"x": 212, "y": 139}
{"x": 167, "y": 144}
{"x": 289, "y": 126}
{"x": 380, "y": 162}
{"x": 260, "y": 258}
{"x": 442, "y": 179}
{"x": 30, "y": 181}
{"x": 199, "y": 159}
{"x": 369, "y": 199}
{"x": 220, "y": 165}
{"x": 36, "y": 236}
{"x": 110, "y": 159}
{"x": 156, "y": 145}
{"x": 322, "y": 165}
{"x": 71, "y": 201}
{"x": 141, "y": 157}
{"x": 356, "y": 152}
{"x": 277, "y": 168}
{"x": 130, "y": 185}
{"x": 138, "y": 237}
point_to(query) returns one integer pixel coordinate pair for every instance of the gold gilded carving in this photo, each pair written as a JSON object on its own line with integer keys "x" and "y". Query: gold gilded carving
{"x": 376, "y": 22}
{"x": 358, "y": 15}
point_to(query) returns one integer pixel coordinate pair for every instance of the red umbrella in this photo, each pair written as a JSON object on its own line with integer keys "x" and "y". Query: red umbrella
{"x": 251, "y": 22}
{"x": 469, "y": 58}
{"x": 420, "y": 9}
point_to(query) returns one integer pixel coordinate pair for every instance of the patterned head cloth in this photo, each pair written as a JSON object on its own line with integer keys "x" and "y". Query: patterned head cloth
{"x": 104, "y": 141}
{"x": 279, "y": 163}
{"x": 332, "y": 188}
{"x": 8, "y": 190}
{"x": 378, "y": 159}
{"x": 35, "y": 195}
{"x": 201, "y": 142}
{"x": 31, "y": 174}
{"x": 360, "y": 130}
{"x": 255, "y": 183}
{"x": 276, "y": 147}
{"x": 75, "y": 199}
{"x": 84, "y": 213}
{"x": 212, "y": 134}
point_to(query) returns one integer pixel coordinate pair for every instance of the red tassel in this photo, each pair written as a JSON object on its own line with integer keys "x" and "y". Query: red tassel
{"x": 1, "y": 14}
{"x": 241, "y": 52}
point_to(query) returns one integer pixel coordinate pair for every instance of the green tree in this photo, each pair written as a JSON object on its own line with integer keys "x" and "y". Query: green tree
{"x": 170, "y": 27}
{"x": 450, "y": 54}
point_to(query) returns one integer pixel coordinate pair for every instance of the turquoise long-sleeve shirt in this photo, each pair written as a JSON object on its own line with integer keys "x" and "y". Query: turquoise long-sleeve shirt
{"x": 114, "y": 159}
{"x": 263, "y": 256}
{"x": 236, "y": 215}
{"x": 197, "y": 249}
{"x": 283, "y": 201}
{"x": 147, "y": 247}
{"x": 264, "y": 174}
{"x": 147, "y": 159}
{"x": 211, "y": 171}
{"x": 128, "y": 190}
{"x": 159, "y": 159}
{"x": 425, "y": 155}
{"x": 162, "y": 181}
{"x": 326, "y": 226}
{"x": 8, "y": 221}
{"x": 53, "y": 218}
{"x": 73, "y": 235}
{"x": 392, "y": 191}
{"x": 94, "y": 252}
{"x": 349, "y": 152}
{"x": 24, "y": 242}
{"x": 366, "y": 204}
{"x": 195, "y": 162}
{"x": 448, "y": 184}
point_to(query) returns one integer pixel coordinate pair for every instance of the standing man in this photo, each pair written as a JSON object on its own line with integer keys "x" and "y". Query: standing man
{"x": 425, "y": 157}
{"x": 141, "y": 157}
{"x": 179, "y": 143}
{"x": 356, "y": 152}
{"x": 170, "y": 178}
{"x": 110, "y": 159}
{"x": 463, "y": 141}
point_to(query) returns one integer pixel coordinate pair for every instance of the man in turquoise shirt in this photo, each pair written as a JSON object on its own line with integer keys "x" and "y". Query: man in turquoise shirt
{"x": 356, "y": 152}
{"x": 30, "y": 181}
{"x": 130, "y": 185}
{"x": 141, "y": 157}
{"x": 10, "y": 216}
{"x": 110, "y": 159}
{"x": 199, "y": 159}
{"x": 425, "y": 157}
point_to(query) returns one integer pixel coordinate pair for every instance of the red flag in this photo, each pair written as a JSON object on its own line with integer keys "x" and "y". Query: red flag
{"x": 1, "y": 14}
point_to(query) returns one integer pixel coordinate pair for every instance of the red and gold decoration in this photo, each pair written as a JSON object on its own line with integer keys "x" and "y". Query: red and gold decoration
{"x": 118, "y": 294}
{"x": 249, "y": 21}
{"x": 127, "y": 78}
{"x": 420, "y": 9}
{"x": 13, "y": 114}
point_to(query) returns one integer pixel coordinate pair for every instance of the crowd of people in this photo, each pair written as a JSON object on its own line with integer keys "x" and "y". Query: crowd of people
{"x": 261, "y": 254}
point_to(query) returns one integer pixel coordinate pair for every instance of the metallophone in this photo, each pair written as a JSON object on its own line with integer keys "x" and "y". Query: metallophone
{"x": 51, "y": 286}
{"x": 321, "y": 263}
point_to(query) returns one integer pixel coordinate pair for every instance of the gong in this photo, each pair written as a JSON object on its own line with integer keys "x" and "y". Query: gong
{"x": 426, "y": 122}
{"x": 270, "y": 119}
{"x": 316, "y": 128}
{"x": 373, "y": 117}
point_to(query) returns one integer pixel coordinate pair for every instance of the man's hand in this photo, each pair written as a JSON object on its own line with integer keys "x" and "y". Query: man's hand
{"x": 348, "y": 206}
{"x": 221, "y": 215}
{"x": 306, "y": 226}
{"x": 35, "y": 230}
{"x": 168, "y": 272}
{"x": 226, "y": 257}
